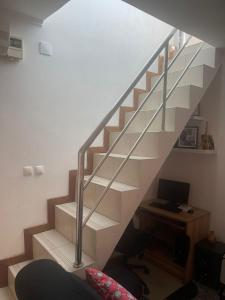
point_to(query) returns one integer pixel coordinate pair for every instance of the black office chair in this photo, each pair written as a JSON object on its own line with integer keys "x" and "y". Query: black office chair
{"x": 133, "y": 243}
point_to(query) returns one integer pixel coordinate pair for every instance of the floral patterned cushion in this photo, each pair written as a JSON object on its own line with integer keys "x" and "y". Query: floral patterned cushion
{"x": 107, "y": 287}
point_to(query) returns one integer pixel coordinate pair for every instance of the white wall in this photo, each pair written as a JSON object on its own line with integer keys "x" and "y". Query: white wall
{"x": 36, "y": 10}
{"x": 49, "y": 105}
{"x": 206, "y": 173}
{"x": 203, "y": 18}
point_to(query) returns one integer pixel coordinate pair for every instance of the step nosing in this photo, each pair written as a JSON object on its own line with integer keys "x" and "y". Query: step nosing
{"x": 167, "y": 108}
{"x": 132, "y": 157}
{"x": 93, "y": 223}
{"x": 15, "y": 269}
{"x": 116, "y": 186}
{"x": 186, "y": 86}
{"x": 148, "y": 132}
{"x": 59, "y": 254}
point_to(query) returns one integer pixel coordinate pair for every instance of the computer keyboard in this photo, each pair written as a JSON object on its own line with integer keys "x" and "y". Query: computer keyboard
{"x": 167, "y": 206}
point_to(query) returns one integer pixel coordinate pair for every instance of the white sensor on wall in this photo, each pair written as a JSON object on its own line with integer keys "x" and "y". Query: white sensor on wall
{"x": 45, "y": 48}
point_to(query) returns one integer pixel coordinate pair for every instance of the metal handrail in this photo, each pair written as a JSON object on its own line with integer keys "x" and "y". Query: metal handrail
{"x": 90, "y": 140}
{"x": 134, "y": 115}
{"x": 108, "y": 117}
{"x": 162, "y": 105}
{"x": 80, "y": 177}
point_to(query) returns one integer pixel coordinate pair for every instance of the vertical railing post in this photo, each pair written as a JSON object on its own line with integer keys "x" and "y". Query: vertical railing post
{"x": 182, "y": 39}
{"x": 79, "y": 212}
{"x": 165, "y": 86}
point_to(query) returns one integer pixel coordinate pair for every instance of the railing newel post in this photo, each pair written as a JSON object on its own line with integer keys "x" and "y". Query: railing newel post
{"x": 165, "y": 86}
{"x": 79, "y": 210}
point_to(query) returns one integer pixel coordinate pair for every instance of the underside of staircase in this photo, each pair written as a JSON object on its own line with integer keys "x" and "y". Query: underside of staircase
{"x": 56, "y": 239}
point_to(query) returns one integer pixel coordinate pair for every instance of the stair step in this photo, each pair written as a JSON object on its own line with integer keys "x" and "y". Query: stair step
{"x": 206, "y": 56}
{"x": 97, "y": 228}
{"x": 117, "y": 186}
{"x": 131, "y": 173}
{"x": 52, "y": 245}
{"x": 96, "y": 221}
{"x": 16, "y": 268}
{"x": 193, "y": 76}
{"x": 181, "y": 97}
{"x": 112, "y": 205}
{"x": 12, "y": 273}
{"x": 5, "y": 294}
{"x": 192, "y": 48}
{"x": 144, "y": 116}
{"x": 151, "y": 145}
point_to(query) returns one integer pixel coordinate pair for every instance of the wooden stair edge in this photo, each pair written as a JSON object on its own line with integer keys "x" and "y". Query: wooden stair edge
{"x": 28, "y": 237}
{"x": 51, "y": 203}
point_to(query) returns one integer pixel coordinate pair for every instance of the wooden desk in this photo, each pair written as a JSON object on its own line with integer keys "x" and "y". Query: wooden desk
{"x": 194, "y": 225}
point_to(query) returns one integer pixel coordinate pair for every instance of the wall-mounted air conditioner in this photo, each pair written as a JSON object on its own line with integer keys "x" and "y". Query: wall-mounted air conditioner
{"x": 11, "y": 46}
{"x": 15, "y": 51}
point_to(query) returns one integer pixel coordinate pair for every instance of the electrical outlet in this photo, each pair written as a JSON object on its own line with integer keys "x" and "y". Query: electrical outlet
{"x": 28, "y": 171}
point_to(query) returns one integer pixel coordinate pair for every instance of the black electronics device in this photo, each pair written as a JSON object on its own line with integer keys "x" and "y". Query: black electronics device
{"x": 171, "y": 194}
{"x": 208, "y": 260}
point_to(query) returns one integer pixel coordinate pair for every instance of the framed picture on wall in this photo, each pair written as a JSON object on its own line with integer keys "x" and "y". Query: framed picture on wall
{"x": 188, "y": 138}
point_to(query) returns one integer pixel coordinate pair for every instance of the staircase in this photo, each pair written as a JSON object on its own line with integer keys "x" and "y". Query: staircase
{"x": 101, "y": 232}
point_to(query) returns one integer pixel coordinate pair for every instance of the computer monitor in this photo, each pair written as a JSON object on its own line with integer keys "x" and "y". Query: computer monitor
{"x": 175, "y": 192}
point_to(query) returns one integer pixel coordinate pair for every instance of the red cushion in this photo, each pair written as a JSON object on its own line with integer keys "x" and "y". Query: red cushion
{"x": 107, "y": 287}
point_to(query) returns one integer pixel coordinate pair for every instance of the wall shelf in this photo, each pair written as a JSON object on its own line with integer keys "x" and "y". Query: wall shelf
{"x": 195, "y": 151}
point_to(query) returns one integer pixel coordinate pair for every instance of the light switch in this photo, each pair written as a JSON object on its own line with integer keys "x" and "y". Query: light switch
{"x": 45, "y": 48}
{"x": 28, "y": 171}
{"x": 39, "y": 170}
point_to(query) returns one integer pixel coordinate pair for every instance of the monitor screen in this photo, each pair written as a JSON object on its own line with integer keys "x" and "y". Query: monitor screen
{"x": 173, "y": 191}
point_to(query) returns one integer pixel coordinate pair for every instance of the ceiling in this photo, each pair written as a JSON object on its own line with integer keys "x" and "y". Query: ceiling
{"x": 36, "y": 9}
{"x": 204, "y": 19}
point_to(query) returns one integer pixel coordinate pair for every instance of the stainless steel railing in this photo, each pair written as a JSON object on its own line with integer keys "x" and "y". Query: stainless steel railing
{"x": 80, "y": 186}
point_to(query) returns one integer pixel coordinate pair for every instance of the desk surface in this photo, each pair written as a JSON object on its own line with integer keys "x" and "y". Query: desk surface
{"x": 181, "y": 216}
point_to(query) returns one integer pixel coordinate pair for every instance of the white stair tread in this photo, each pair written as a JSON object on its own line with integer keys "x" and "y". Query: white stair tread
{"x": 97, "y": 221}
{"x": 190, "y": 49}
{"x": 16, "y": 268}
{"x": 118, "y": 186}
{"x": 132, "y": 157}
{"x": 61, "y": 249}
{"x": 181, "y": 85}
{"x": 5, "y": 294}
{"x": 177, "y": 73}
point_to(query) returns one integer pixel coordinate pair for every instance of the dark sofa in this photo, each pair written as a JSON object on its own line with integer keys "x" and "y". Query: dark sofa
{"x": 46, "y": 280}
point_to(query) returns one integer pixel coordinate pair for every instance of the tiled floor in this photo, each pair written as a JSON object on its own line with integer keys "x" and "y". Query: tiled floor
{"x": 206, "y": 293}
{"x": 160, "y": 283}
{"x": 4, "y": 294}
